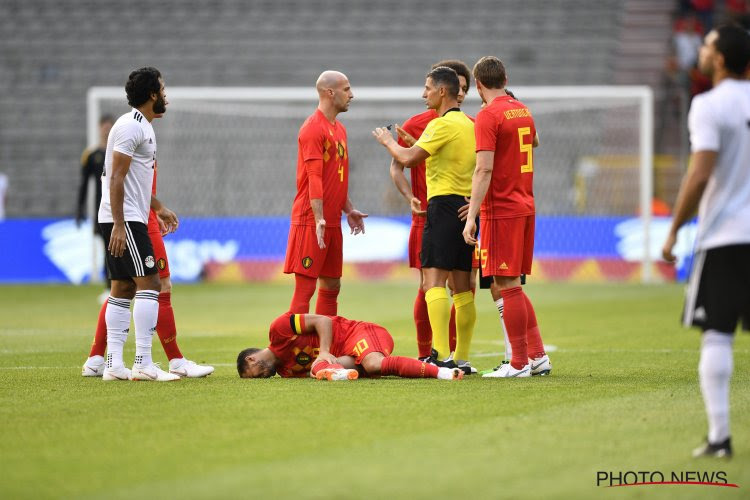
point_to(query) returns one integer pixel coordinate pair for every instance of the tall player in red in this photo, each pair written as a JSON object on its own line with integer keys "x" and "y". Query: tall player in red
{"x": 416, "y": 196}
{"x": 503, "y": 184}
{"x": 336, "y": 348}
{"x": 161, "y": 221}
{"x": 314, "y": 250}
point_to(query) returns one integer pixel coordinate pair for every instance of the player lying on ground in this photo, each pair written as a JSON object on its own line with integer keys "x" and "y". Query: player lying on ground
{"x": 333, "y": 348}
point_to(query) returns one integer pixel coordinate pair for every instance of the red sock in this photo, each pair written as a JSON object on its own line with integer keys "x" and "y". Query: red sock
{"x": 422, "y": 323}
{"x": 100, "y": 337}
{"x": 304, "y": 288}
{"x": 165, "y": 327}
{"x": 516, "y": 320}
{"x": 533, "y": 336}
{"x": 407, "y": 367}
{"x": 326, "y": 304}
{"x": 452, "y": 329}
{"x": 324, "y": 364}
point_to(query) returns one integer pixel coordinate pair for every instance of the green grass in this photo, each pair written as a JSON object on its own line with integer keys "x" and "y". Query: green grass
{"x": 623, "y": 396}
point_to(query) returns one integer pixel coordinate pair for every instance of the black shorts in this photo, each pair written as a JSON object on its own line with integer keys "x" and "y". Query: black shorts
{"x": 138, "y": 259}
{"x": 443, "y": 245}
{"x": 718, "y": 294}
{"x": 485, "y": 282}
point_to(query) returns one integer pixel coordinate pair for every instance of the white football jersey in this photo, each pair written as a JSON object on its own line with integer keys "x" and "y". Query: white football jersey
{"x": 719, "y": 121}
{"x": 131, "y": 135}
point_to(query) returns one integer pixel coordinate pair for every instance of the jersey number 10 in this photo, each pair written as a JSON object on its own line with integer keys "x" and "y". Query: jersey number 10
{"x": 526, "y": 148}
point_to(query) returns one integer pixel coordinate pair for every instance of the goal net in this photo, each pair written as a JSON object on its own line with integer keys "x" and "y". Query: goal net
{"x": 227, "y": 163}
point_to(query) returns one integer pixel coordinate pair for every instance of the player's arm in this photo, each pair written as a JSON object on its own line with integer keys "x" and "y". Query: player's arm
{"x": 167, "y": 219}
{"x": 314, "y": 168}
{"x": 405, "y": 156}
{"x": 402, "y": 184}
{"x": 702, "y": 164}
{"x": 480, "y": 183}
{"x": 120, "y": 168}
{"x": 322, "y": 326}
{"x": 83, "y": 189}
{"x": 354, "y": 217}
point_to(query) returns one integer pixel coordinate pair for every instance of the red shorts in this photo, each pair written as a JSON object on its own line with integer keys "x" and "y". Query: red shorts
{"x": 160, "y": 253}
{"x": 415, "y": 245}
{"x": 367, "y": 338}
{"x": 507, "y": 246}
{"x": 305, "y": 257}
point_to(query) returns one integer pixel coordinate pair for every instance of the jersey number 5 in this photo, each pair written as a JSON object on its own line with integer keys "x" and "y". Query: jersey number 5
{"x": 526, "y": 148}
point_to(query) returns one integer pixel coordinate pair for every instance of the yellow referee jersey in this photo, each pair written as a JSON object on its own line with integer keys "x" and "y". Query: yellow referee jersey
{"x": 450, "y": 141}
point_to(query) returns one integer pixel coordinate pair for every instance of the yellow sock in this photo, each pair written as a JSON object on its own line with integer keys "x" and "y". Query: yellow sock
{"x": 466, "y": 316}
{"x": 440, "y": 315}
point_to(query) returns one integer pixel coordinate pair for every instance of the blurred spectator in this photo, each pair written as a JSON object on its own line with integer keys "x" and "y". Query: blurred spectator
{"x": 704, "y": 10}
{"x": 687, "y": 37}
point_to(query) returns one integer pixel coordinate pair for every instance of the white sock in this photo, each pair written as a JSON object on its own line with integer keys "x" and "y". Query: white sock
{"x": 445, "y": 373}
{"x": 508, "y": 349}
{"x": 117, "y": 317}
{"x": 714, "y": 371}
{"x": 145, "y": 314}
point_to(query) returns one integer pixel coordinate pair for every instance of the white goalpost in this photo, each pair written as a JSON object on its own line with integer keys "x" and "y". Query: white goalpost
{"x": 231, "y": 151}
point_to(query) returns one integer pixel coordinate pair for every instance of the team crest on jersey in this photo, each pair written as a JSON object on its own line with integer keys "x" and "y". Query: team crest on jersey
{"x": 149, "y": 262}
{"x": 307, "y": 262}
{"x": 303, "y": 358}
{"x": 161, "y": 264}
{"x": 341, "y": 149}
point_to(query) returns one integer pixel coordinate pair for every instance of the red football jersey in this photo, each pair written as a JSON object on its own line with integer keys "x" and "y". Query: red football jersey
{"x": 415, "y": 126}
{"x": 320, "y": 140}
{"x": 296, "y": 350}
{"x": 506, "y": 127}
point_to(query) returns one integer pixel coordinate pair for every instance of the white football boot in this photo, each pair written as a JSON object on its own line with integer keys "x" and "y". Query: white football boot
{"x": 450, "y": 373}
{"x": 93, "y": 367}
{"x": 120, "y": 373}
{"x": 185, "y": 368}
{"x": 152, "y": 373}
{"x": 506, "y": 370}
{"x": 540, "y": 366}
{"x": 337, "y": 374}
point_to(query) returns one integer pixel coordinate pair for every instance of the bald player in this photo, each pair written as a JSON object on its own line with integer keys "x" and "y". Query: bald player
{"x": 314, "y": 251}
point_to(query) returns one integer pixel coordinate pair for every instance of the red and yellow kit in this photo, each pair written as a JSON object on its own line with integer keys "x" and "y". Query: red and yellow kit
{"x": 154, "y": 233}
{"x": 507, "y": 128}
{"x": 298, "y": 349}
{"x": 319, "y": 139}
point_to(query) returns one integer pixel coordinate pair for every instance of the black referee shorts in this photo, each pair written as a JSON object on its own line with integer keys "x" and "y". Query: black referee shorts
{"x": 138, "y": 259}
{"x": 443, "y": 245}
{"x": 718, "y": 294}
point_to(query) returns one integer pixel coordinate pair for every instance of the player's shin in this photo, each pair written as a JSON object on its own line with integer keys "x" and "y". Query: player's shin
{"x": 515, "y": 321}
{"x": 327, "y": 304}
{"x": 145, "y": 315}
{"x": 533, "y": 335}
{"x": 715, "y": 371}
{"x": 407, "y": 367}
{"x": 117, "y": 317}
{"x": 439, "y": 312}
{"x": 166, "y": 328}
{"x": 304, "y": 288}
{"x": 466, "y": 316}
{"x": 99, "y": 345}
{"x": 422, "y": 324}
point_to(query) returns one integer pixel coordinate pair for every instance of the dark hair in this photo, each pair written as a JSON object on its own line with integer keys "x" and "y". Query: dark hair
{"x": 106, "y": 119}
{"x": 445, "y": 77}
{"x": 734, "y": 44}
{"x": 241, "y": 362}
{"x": 490, "y": 72}
{"x": 459, "y": 67}
{"x": 141, "y": 84}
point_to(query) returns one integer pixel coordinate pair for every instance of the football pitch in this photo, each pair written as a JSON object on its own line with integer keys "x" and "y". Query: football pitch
{"x": 623, "y": 396}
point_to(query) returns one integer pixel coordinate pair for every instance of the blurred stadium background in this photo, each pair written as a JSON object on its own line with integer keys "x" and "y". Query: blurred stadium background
{"x": 228, "y": 168}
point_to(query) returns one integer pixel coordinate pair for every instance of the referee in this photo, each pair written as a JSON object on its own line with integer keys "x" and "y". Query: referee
{"x": 447, "y": 146}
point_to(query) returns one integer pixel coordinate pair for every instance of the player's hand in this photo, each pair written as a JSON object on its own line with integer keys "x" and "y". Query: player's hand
{"x": 382, "y": 135}
{"x": 356, "y": 221}
{"x": 470, "y": 231}
{"x": 666, "y": 251}
{"x": 464, "y": 210}
{"x": 320, "y": 232}
{"x": 117, "y": 241}
{"x": 405, "y": 136}
{"x": 168, "y": 221}
{"x": 416, "y": 207}
{"x": 325, "y": 356}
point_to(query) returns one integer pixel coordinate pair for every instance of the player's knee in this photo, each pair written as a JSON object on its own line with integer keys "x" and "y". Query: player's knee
{"x": 123, "y": 289}
{"x": 372, "y": 362}
{"x": 333, "y": 284}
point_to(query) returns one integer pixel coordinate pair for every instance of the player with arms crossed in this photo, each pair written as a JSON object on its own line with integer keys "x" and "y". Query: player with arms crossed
{"x": 314, "y": 249}
{"x": 502, "y": 184}
{"x": 718, "y": 186}
{"x": 447, "y": 148}
{"x": 123, "y": 214}
{"x": 336, "y": 348}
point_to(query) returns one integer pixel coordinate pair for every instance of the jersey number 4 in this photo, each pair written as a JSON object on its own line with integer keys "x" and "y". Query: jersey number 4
{"x": 526, "y": 148}
{"x": 341, "y": 172}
